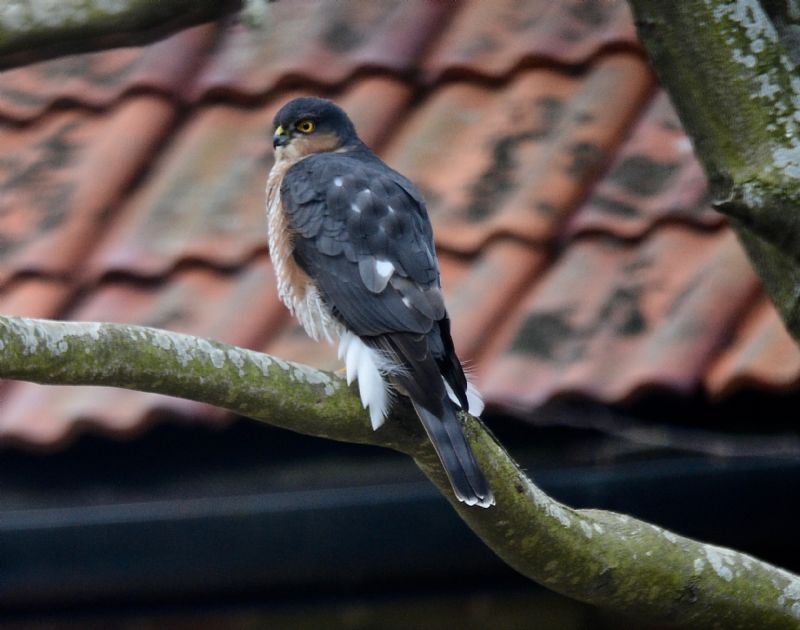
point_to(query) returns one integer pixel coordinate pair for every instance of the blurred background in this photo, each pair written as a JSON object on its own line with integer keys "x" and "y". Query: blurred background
{"x": 627, "y": 353}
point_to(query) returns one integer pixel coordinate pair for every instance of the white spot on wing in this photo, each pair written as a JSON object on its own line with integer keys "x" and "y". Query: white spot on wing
{"x": 384, "y": 268}
{"x": 337, "y": 181}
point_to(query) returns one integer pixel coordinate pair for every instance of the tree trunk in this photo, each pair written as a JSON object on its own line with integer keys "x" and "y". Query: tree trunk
{"x": 730, "y": 68}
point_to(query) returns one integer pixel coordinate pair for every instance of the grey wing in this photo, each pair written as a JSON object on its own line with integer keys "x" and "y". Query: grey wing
{"x": 362, "y": 234}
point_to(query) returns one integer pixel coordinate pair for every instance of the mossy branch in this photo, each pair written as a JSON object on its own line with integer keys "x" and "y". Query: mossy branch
{"x": 36, "y": 30}
{"x": 730, "y": 68}
{"x": 604, "y": 558}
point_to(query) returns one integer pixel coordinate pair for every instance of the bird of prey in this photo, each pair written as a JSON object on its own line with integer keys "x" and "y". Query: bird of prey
{"x": 353, "y": 252}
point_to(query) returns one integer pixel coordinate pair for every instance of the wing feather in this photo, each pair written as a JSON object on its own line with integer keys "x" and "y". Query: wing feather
{"x": 367, "y": 243}
{"x": 361, "y": 232}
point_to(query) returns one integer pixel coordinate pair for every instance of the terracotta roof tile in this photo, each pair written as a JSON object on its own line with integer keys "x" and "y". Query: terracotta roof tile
{"x": 492, "y": 38}
{"x": 323, "y": 43}
{"x": 762, "y": 354}
{"x": 203, "y": 200}
{"x": 608, "y": 320}
{"x": 98, "y": 79}
{"x": 241, "y": 309}
{"x": 517, "y": 162}
{"x": 376, "y": 124}
{"x": 487, "y": 287}
{"x": 34, "y": 297}
{"x": 60, "y": 178}
{"x": 577, "y": 248}
{"x": 655, "y": 177}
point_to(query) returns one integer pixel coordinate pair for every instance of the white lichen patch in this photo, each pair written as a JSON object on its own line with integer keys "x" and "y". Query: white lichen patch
{"x": 284, "y": 365}
{"x": 185, "y": 349}
{"x": 111, "y": 7}
{"x": 752, "y": 194}
{"x": 35, "y": 14}
{"x": 236, "y": 358}
{"x": 312, "y": 376}
{"x": 51, "y": 336}
{"x": 92, "y": 329}
{"x": 30, "y": 14}
{"x": 749, "y": 61}
{"x": 550, "y": 507}
{"x": 790, "y": 596}
{"x": 667, "y": 535}
{"x": 765, "y": 88}
{"x": 161, "y": 340}
{"x": 25, "y": 331}
{"x": 787, "y": 159}
{"x": 749, "y": 14}
{"x": 752, "y": 37}
{"x": 262, "y": 361}
{"x": 56, "y": 336}
{"x": 699, "y": 565}
{"x": 554, "y": 510}
{"x": 216, "y": 355}
{"x": 722, "y": 561}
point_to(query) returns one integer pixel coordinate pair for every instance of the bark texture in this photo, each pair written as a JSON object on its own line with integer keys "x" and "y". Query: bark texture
{"x": 36, "y": 30}
{"x": 731, "y": 70}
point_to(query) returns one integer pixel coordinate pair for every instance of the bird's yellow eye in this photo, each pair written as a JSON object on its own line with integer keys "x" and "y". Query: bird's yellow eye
{"x": 305, "y": 126}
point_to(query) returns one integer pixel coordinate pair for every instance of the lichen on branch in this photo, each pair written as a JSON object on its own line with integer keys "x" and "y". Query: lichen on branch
{"x": 729, "y": 67}
{"x": 35, "y": 30}
{"x": 600, "y": 557}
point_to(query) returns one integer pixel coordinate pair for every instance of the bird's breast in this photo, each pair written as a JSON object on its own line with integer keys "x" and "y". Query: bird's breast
{"x": 296, "y": 289}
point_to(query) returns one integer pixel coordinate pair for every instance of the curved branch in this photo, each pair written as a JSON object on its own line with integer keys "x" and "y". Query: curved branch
{"x": 595, "y": 556}
{"x": 36, "y": 30}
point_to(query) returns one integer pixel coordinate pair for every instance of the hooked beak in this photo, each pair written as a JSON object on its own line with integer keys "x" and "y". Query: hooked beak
{"x": 280, "y": 137}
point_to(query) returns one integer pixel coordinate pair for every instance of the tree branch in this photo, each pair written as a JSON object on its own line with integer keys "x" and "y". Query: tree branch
{"x": 732, "y": 77}
{"x": 36, "y": 30}
{"x": 604, "y": 558}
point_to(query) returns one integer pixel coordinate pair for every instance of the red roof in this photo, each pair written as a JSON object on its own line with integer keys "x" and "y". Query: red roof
{"x": 578, "y": 249}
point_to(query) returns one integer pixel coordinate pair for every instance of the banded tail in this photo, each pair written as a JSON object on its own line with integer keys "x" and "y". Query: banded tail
{"x": 467, "y": 479}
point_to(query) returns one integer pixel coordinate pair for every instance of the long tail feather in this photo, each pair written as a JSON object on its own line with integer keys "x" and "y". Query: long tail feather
{"x": 466, "y": 477}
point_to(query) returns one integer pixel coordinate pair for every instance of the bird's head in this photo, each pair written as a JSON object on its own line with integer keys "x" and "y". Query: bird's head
{"x": 310, "y": 125}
